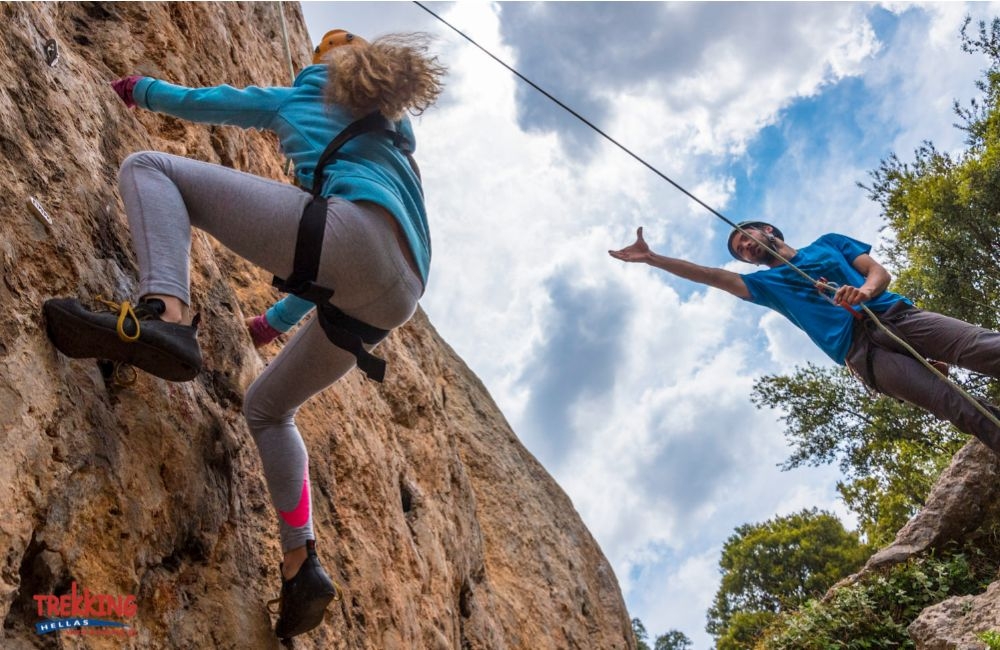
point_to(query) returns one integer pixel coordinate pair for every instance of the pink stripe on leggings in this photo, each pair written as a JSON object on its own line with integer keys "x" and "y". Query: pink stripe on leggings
{"x": 300, "y": 515}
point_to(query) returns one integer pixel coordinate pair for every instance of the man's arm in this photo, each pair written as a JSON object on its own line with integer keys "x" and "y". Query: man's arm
{"x": 876, "y": 281}
{"x": 713, "y": 277}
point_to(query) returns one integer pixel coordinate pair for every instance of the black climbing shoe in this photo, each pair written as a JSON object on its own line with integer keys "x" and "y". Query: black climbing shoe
{"x": 132, "y": 335}
{"x": 304, "y": 598}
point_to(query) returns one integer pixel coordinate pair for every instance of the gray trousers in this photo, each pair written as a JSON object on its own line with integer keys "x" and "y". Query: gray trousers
{"x": 888, "y": 368}
{"x": 165, "y": 196}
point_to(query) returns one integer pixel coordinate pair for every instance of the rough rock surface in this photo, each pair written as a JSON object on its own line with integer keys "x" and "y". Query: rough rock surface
{"x": 964, "y": 506}
{"x": 443, "y": 530}
{"x": 955, "y": 623}
{"x": 966, "y": 495}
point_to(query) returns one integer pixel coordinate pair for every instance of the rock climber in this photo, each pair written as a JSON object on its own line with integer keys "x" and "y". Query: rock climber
{"x": 374, "y": 255}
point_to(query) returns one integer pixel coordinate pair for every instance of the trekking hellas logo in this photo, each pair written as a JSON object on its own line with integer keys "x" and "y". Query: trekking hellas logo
{"x": 85, "y": 613}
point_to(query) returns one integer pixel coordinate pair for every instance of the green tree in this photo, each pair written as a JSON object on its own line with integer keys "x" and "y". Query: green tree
{"x": 777, "y": 566}
{"x": 890, "y": 453}
{"x": 672, "y": 640}
{"x": 875, "y": 612}
{"x": 640, "y": 634}
{"x": 945, "y": 211}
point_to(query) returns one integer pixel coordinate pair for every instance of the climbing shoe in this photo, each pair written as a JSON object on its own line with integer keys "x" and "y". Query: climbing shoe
{"x": 304, "y": 597}
{"x": 134, "y": 335}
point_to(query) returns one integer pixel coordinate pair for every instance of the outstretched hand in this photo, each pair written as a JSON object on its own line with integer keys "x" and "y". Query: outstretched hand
{"x": 637, "y": 252}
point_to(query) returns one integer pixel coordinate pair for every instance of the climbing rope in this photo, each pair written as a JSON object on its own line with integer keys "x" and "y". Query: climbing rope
{"x": 820, "y": 284}
{"x": 291, "y": 66}
{"x": 288, "y": 49}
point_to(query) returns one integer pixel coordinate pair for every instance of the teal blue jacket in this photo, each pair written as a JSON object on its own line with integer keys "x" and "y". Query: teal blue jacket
{"x": 369, "y": 167}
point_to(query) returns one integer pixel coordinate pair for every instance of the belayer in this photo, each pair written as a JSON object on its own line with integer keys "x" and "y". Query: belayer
{"x": 841, "y": 331}
{"x": 356, "y": 247}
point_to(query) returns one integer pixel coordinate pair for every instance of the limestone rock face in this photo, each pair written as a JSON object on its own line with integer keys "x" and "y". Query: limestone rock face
{"x": 964, "y": 506}
{"x": 966, "y": 495}
{"x": 443, "y": 531}
{"x": 955, "y": 623}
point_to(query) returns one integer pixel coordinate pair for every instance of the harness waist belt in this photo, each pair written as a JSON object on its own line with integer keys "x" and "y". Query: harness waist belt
{"x": 344, "y": 331}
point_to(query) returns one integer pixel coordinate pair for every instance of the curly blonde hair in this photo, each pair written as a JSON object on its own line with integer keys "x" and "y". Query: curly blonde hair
{"x": 393, "y": 74}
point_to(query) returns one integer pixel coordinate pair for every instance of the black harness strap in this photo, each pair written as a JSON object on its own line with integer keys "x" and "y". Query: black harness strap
{"x": 351, "y": 334}
{"x": 308, "y": 246}
{"x": 344, "y": 331}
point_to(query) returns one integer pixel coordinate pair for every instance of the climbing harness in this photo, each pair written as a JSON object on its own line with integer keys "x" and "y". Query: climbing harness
{"x": 820, "y": 284}
{"x": 344, "y": 331}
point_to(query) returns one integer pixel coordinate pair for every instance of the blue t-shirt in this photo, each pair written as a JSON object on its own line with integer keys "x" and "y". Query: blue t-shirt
{"x": 788, "y": 293}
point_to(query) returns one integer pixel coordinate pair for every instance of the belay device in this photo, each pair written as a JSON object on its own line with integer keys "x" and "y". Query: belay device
{"x": 344, "y": 331}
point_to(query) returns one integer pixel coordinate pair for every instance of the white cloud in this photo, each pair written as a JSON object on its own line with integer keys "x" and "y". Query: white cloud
{"x": 788, "y": 345}
{"x": 680, "y": 454}
{"x": 675, "y": 595}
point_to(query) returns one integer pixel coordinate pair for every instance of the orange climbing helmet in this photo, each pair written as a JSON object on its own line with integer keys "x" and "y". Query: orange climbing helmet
{"x": 335, "y": 38}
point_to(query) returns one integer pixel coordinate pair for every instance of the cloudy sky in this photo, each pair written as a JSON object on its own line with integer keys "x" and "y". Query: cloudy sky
{"x": 631, "y": 386}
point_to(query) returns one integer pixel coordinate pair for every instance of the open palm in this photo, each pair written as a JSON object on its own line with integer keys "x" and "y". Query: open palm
{"x": 636, "y": 252}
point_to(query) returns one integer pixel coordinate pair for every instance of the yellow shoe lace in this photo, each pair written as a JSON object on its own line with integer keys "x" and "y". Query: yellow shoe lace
{"x": 124, "y": 375}
{"x": 124, "y": 311}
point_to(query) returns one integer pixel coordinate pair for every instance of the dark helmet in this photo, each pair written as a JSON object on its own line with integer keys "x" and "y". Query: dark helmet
{"x": 750, "y": 224}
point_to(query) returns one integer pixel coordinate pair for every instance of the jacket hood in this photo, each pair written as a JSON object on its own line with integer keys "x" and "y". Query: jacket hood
{"x": 311, "y": 75}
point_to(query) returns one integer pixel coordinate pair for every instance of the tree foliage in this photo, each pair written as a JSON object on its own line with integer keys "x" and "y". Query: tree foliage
{"x": 875, "y": 612}
{"x": 640, "y": 634}
{"x": 672, "y": 640}
{"x": 890, "y": 453}
{"x": 777, "y": 566}
{"x": 945, "y": 211}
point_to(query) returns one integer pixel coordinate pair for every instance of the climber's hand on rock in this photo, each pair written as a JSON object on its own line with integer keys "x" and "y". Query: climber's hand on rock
{"x": 124, "y": 88}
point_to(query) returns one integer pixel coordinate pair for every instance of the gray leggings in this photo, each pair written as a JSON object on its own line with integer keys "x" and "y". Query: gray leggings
{"x": 899, "y": 375}
{"x": 258, "y": 219}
